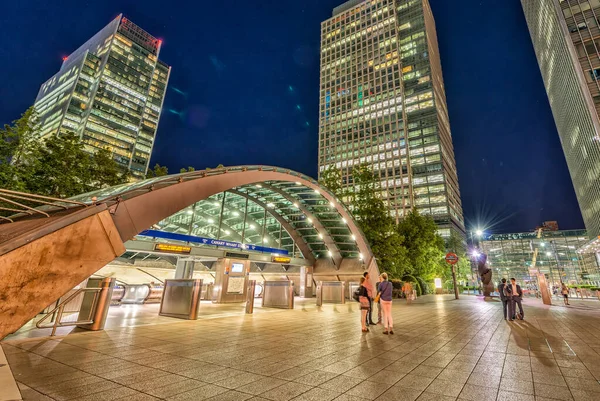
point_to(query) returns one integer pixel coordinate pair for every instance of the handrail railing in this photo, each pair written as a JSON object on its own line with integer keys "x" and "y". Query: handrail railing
{"x": 59, "y": 309}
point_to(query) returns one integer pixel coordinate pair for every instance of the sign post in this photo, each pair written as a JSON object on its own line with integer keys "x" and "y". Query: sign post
{"x": 452, "y": 259}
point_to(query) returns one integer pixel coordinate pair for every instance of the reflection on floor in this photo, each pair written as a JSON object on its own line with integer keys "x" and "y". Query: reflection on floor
{"x": 143, "y": 315}
{"x": 441, "y": 349}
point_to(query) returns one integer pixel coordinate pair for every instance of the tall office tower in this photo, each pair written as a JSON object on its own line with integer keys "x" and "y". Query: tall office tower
{"x": 566, "y": 38}
{"x": 110, "y": 92}
{"x": 383, "y": 102}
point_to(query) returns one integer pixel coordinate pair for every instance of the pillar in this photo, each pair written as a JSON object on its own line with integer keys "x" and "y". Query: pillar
{"x": 184, "y": 269}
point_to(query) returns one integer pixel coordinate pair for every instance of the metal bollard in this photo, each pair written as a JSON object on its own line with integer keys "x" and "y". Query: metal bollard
{"x": 291, "y": 295}
{"x": 250, "y": 296}
{"x": 319, "y": 293}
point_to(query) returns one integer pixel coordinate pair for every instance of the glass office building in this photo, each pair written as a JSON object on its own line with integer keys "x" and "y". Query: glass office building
{"x": 110, "y": 92}
{"x": 566, "y": 38}
{"x": 382, "y": 102}
{"x": 511, "y": 255}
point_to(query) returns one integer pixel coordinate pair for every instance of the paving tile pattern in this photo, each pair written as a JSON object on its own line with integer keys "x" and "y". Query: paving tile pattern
{"x": 441, "y": 350}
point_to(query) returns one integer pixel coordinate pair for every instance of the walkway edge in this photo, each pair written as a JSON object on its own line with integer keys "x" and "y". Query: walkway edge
{"x": 10, "y": 390}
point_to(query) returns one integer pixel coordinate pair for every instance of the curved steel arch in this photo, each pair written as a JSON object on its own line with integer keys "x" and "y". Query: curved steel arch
{"x": 298, "y": 239}
{"x": 327, "y": 238}
{"x": 138, "y": 209}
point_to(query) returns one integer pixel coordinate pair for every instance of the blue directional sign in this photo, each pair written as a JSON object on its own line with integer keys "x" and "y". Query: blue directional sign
{"x": 210, "y": 241}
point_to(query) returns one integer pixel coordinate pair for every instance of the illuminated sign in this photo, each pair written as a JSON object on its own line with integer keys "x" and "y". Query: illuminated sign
{"x": 210, "y": 241}
{"x": 172, "y": 248}
{"x": 281, "y": 259}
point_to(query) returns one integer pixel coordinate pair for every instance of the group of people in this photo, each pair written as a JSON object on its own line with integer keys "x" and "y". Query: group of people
{"x": 511, "y": 296}
{"x": 382, "y": 296}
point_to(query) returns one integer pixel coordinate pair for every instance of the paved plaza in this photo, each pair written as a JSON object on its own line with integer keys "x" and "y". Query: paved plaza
{"x": 442, "y": 349}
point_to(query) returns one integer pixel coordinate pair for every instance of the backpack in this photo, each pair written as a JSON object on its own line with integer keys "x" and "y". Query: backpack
{"x": 356, "y": 295}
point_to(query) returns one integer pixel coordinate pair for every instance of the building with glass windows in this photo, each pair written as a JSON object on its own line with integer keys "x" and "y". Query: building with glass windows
{"x": 558, "y": 257}
{"x": 566, "y": 38}
{"x": 382, "y": 102}
{"x": 110, "y": 92}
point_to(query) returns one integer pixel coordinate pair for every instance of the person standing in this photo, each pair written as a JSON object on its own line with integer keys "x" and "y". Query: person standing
{"x": 408, "y": 291}
{"x": 516, "y": 298}
{"x": 565, "y": 293}
{"x": 503, "y": 297}
{"x": 369, "y": 286}
{"x": 378, "y": 301}
{"x": 385, "y": 298}
{"x": 363, "y": 298}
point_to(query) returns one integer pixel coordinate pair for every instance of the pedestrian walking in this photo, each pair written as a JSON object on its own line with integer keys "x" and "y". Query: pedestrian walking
{"x": 370, "y": 290}
{"x": 565, "y": 293}
{"x": 408, "y": 291}
{"x": 378, "y": 300}
{"x": 516, "y": 298}
{"x": 503, "y": 297}
{"x": 385, "y": 295}
{"x": 363, "y": 298}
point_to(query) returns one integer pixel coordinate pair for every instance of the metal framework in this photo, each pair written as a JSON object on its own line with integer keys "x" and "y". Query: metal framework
{"x": 255, "y": 205}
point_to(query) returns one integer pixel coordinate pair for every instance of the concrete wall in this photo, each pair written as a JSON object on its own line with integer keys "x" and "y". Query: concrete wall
{"x": 39, "y": 272}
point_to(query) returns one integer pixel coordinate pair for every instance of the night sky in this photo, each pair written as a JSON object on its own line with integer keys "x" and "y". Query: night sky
{"x": 247, "y": 79}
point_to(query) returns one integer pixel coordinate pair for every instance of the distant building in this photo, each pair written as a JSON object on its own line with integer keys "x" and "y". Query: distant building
{"x": 110, "y": 92}
{"x": 383, "y": 102}
{"x": 559, "y": 258}
{"x": 566, "y": 38}
{"x": 548, "y": 226}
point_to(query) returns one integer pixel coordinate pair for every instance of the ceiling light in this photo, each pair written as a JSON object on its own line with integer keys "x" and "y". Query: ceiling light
{"x": 270, "y": 205}
{"x": 353, "y": 237}
{"x": 210, "y": 221}
{"x": 236, "y": 214}
{"x": 320, "y": 235}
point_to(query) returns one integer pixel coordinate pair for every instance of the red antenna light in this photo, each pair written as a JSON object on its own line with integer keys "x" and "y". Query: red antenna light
{"x": 159, "y": 41}
{"x": 65, "y": 58}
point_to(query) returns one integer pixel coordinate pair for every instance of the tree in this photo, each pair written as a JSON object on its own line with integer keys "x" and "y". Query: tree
{"x": 105, "y": 171}
{"x": 62, "y": 169}
{"x": 188, "y": 170}
{"x": 376, "y": 223}
{"x": 19, "y": 145}
{"x": 425, "y": 248}
{"x": 58, "y": 166}
{"x": 455, "y": 243}
{"x": 331, "y": 178}
{"x": 158, "y": 171}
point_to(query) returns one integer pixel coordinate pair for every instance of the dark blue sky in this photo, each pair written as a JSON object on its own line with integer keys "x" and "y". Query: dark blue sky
{"x": 250, "y": 74}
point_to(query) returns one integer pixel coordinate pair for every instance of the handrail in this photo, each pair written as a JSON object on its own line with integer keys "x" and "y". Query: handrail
{"x": 60, "y": 308}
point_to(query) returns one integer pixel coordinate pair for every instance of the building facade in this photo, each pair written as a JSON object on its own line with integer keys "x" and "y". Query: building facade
{"x": 382, "y": 102}
{"x": 110, "y": 92}
{"x": 566, "y": 38}
{"x": 558, "y": 257}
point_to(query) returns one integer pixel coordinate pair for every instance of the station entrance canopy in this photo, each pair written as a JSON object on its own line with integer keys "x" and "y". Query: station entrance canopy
{"x": 256, "y": 208}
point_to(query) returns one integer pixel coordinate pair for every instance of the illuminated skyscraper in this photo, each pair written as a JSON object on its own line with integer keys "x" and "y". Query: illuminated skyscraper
{"x": 110, "y": 92}
{"x": 383, "y": 102}
{"x": 566, "y": 38}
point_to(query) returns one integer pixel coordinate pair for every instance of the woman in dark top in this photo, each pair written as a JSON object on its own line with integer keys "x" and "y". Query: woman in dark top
{"x": 363, "y": 298}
